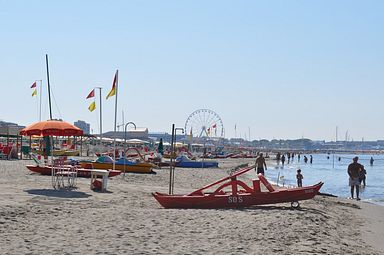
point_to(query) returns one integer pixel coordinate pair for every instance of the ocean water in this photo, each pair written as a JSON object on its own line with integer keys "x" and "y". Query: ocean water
{"x": 333, "y": 173}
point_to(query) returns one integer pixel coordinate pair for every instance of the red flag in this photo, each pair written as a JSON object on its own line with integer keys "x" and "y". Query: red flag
{"x": 33, "y": 85}
{"x": 214, "y": 125}
{"x": 91, "y": 94}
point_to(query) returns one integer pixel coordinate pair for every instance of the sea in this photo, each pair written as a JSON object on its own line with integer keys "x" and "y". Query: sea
{"x": 332, "y": 170}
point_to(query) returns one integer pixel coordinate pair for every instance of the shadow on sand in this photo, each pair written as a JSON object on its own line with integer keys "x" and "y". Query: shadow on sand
{"x": 62, "y": 193}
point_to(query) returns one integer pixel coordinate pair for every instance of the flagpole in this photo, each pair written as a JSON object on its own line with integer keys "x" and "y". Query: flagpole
{"x": 114, "y": 137}
{"x": 41, "y": 94}
{"x": 101, "y": 119}
{"x": 37, "y": 102}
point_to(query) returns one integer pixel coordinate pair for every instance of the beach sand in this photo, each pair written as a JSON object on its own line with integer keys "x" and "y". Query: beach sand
{"x": 35, "y": 219}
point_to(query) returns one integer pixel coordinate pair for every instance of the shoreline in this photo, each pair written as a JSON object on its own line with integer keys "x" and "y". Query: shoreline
{"x": 36, "y": 219}
{"x": 335, "y": 177}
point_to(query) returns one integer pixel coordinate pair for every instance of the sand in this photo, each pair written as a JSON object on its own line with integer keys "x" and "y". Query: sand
{"x": 35, "y": 219}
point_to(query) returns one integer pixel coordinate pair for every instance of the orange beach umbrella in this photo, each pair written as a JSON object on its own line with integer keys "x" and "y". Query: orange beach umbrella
{"x": 52, "y": 127}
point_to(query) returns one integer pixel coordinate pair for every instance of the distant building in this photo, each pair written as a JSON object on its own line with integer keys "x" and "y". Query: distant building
{"x": 138, "y": 133}
{"x": 157, "y": 135}
{"x": 9, "y": 128}
{"x": 86, "y": 127}
{"x": 166, "y": 137}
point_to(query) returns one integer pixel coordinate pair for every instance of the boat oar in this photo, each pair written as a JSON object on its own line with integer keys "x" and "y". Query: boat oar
{"x": 239, "y": 172}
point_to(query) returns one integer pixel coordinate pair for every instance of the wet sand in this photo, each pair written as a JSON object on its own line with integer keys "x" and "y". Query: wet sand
{"x": 35, "y": 219}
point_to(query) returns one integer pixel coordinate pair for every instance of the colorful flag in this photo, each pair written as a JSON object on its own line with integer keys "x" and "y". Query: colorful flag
{"x": 33, "y": 85}
{"x": 113, "y": 90}
{"x": 209, "y": 131}
{"x": 34, "y": 93}
{"x": 91, "y": 94}
{"x": 92, "y": 106}
{"x": 214, "y": 125}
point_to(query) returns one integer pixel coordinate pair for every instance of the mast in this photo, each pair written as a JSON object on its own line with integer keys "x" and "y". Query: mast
{"x": 49, "y": 88}
{"x": 336, "y": 133}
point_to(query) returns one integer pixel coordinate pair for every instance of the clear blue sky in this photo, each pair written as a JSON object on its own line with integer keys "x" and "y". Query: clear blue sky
{"x": 283, "y": 69}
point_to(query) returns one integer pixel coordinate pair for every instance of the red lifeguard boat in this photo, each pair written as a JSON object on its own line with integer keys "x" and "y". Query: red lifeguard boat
{"x": 81, "y": 172}
{"x": 239, "y": 196}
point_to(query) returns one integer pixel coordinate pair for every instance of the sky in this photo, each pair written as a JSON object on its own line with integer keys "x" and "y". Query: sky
{"x": 272, "y": 69}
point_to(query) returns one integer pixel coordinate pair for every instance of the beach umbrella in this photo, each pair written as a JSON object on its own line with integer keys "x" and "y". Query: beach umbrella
{"x": 160, "y": 147}
{"x": 48, "y": 129}
{"x": 52, "y": 128}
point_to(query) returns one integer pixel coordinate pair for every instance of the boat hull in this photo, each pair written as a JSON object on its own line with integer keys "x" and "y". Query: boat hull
{"x": 81, "y": 172}
{"x": 144, "y": 168}
{"x": 197, "y": 164}
{"x": 59, "y": 152}
{"x": 227, "y": 200}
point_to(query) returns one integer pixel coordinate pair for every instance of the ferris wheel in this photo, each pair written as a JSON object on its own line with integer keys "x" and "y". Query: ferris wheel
{"x": 204, "y": 123}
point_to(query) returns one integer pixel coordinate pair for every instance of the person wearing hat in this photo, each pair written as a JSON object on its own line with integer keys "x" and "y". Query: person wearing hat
{"x": 354, "y": 170}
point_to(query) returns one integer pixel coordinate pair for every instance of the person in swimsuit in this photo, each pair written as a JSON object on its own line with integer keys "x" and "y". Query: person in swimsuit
{"x": 354, "y": 170}
{"x": 260, "y": 164}
{"x": 299, "y": 178}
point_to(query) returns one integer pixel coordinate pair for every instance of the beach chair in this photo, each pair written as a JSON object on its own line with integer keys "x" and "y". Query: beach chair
{"x": 63, "y": 176}
{"x": 5, "y": 152}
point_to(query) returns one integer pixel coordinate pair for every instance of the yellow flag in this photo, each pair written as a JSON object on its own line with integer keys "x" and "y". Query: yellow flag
{"x": 92, "y": 106}
{"x": 34, "y": 93}
{"x": 113, "y": 90}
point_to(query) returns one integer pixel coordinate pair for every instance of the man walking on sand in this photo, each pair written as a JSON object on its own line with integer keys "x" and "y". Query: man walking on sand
{"x": 260, "y": 164}
{"x": 354, "y": 172}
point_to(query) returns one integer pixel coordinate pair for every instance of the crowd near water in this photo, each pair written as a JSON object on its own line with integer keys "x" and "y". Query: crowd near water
{"x": 332, "y": 170}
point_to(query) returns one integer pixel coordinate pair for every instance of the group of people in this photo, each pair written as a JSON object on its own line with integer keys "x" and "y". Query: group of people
{"x": 356, "y": 172}
{"x": 281, "y": 157}
{"x": 261, "y": 166}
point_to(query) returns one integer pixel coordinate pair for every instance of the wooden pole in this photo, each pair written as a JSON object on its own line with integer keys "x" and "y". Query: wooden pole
{"x": 21, "y": 146}
{"x": 171, "y": 165}
{"x": 81, "y": 146}
{"x": 30, "y": 146}
{"x": 17, "y": 147}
